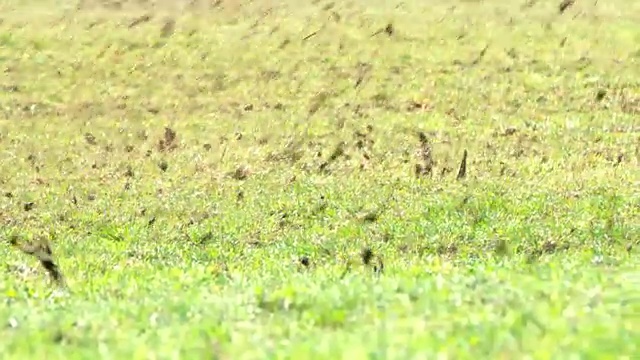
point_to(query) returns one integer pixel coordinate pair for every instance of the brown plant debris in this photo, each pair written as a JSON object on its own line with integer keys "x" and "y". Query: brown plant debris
{"x": 426, "y": 156}
{"x": 90, "y": 139}
{"x": 480, "y": 56}
{"x": 363, "y": 73}
{"x": 364, "y": 144}
{"x": 564, "y": 5}
{"x": 168, "y": 142}
{"x": 389, "y": 30}
{"x": 509, "y": 131}
{"x": 372, "y": 215}
{"x": 163, "y": 165}
{"x": 337, "y": 152}
{"x": 41, "y": 251}
{"x": 140, "y": 20}
{"x": 462, "y": 172}
{"x": 366, "y": 255}
{"x": 168, "y": 28}
{"x": 310, "y": 35}
{"x": 242, "y": 172}
{"x": 317, "y": 101}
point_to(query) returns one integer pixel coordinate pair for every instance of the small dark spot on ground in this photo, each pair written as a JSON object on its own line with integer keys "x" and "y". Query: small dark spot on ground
{"x": 163, "y": 165}
{"x": 304, "y": 261}
{"x": 366, "y": 255}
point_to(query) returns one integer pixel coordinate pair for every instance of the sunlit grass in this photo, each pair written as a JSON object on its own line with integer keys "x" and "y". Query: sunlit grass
{"x": 211, "y": 176}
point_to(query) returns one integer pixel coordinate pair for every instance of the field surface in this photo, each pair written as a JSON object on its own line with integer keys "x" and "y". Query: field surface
{"x": 319, "y": 180}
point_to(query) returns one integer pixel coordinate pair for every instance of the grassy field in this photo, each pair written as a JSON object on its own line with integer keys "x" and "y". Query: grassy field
{"x": 320, "y": 180}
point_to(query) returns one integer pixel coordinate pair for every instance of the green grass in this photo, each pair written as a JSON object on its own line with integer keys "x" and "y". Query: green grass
{"x": 247, "y": 245}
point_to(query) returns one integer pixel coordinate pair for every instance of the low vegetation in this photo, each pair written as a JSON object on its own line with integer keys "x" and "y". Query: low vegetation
{"x": 317, "y": 179}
